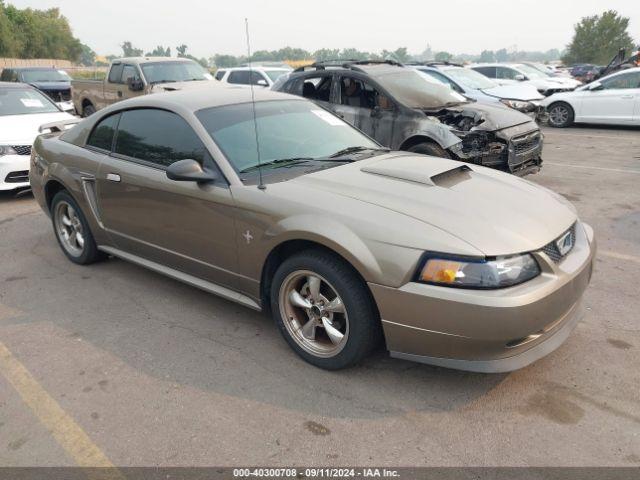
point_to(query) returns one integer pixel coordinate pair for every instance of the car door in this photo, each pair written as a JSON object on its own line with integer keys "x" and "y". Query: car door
{"x": 183, "y": 225}
{"x": 366, "y": 106}
{"x": 614, "y": 102}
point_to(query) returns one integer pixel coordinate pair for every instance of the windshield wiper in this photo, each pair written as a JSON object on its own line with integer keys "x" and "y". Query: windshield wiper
{"x": 278, "y": 162}
{"x": 350, "y": 150}
{"x": 162, "y": 81}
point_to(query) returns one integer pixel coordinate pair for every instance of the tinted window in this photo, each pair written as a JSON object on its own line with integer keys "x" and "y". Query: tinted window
{"x": 244, "y": 77}
{"x": 625, "y": 80}
{"x": 506, "y": 73}
{"x": 220, "y": 74}
{"x": 486, "y": 71}
{"x": 102, "y": 135}
{"x": 9, "y": 75}
{"x": 157, "y": 136}
{"x": 115, "y": 74}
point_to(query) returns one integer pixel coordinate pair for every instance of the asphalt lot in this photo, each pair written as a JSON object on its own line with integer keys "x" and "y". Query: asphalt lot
{"x": 114, "y": 363}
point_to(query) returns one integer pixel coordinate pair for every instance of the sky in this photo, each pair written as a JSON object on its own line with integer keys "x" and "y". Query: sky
{"x": 209, "y": 27}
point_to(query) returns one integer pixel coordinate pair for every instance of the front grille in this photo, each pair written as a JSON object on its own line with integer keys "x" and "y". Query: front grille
{"x": 22, "y": 149}
{"x": 526, "y": 143}
{"x": 551, "y": 249}
{"x": 59, "y": 95}
{"x": 21, "y": 176}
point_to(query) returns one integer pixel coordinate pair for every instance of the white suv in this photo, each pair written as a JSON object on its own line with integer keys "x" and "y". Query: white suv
{"x": 261, "y": 76}
{"x": 511, "y": 73}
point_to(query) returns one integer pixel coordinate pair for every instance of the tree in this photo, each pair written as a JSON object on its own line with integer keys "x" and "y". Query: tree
{"x": 128, "y": 50}
{"x": 225, "y": 61}
{"x": 88, "y": 56}
{"x": 182, "y": 50}
{"x": 443, "y": 57}
{"x": 159, "y": 51}
{"x": 487, "y": 56}
{"x": 598, "y": 38}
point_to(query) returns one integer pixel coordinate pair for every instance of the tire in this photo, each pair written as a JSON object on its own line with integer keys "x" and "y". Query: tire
{"x": 560, "y": 115}
{"x": 355, "y": 317}
{"x": 68, "y": 219}
{"x": 429, "y": 148}
{"x": 88, "y": 110}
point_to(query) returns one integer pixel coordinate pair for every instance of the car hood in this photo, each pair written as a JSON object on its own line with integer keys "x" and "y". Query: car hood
{"x": 23, "y": 129}
{"x": 497, "y": 213}
{"x": 491, "y": 116}
{"x": 51, "y": 86}
{"x": 514, "y": 92}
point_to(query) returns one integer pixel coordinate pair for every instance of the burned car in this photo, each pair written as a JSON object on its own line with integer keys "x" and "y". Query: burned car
{"x": 281, "y": 206}
{"x": 404, "y": 109}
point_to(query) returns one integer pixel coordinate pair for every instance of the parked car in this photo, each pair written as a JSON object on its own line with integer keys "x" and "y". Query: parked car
{"x": 585, "y": 72}
{"x": 260, "y": 76}
{"x": 512, "y": 73}
{"x": 52, "y": 82}
{"x": 524, "y": 98}
{"x": 614, "y": 100}
{"x": 344, "y": 242}
{"x": 404, "y": 109}
{"x": 23, "y": 109}
{"x": 131, "y": 77}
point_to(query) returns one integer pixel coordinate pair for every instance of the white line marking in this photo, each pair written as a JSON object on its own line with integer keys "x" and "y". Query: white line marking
{"x": 622, "y": 170}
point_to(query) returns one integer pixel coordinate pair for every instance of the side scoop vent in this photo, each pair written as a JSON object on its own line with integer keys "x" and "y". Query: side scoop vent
{"x": 452, "y": 177}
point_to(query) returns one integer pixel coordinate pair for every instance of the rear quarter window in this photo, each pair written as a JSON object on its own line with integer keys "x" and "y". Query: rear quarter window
{"x": 102, "y": 135}
{"x": 115, "y": 74}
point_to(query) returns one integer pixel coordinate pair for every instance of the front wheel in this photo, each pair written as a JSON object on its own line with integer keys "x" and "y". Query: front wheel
{"x": 72, "y": 230}
{"x": 324, "y": 310}
{"x": 429, "y": 148}
{"x": 560, "y": 115}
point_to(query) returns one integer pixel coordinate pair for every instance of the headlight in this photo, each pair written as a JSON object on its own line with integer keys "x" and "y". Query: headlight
{"x": 7, "y": 150}
{"x": 498, "y": 272}
{"x": 519, "y": 105}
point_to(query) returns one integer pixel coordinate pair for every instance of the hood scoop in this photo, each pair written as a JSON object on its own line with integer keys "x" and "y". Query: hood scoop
{"x": 429, "y": 171}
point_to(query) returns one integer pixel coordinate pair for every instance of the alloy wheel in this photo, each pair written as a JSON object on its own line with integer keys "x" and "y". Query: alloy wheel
{"x": 313, "y": 313}
{"x": 69, "y": 228}
{"x": 559, "y": 115}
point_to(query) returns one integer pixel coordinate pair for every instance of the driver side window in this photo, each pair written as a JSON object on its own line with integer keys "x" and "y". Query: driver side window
{"x": 128, "y": 72}
{"x": 157, "y": 137}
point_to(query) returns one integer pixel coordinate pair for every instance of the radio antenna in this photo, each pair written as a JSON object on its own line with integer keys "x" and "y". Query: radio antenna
{"x": 261, "y": 185}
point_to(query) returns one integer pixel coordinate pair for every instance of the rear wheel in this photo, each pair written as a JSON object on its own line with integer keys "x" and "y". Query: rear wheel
{"x": 88, "y": 110}
{"x": 560, "y": 115}
{"x": 72, "y": 230}
{"x": 324, "y": 310}
{"x": 429, "y": 148}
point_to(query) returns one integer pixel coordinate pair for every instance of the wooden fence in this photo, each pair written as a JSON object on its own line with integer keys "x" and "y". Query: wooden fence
{"x": 35, "y": 62}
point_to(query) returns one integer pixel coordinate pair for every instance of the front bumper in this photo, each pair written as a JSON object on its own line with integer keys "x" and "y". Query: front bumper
{"x": 489, "y": 330}
{"x": 14, "y": 170}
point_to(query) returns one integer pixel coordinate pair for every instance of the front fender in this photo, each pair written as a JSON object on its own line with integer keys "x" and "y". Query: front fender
{"x": 436, "y": 132}
{"x": 330, "y": 234}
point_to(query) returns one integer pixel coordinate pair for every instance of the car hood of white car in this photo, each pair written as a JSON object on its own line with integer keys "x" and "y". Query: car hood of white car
{"x": 514, "y": 92}
{"x": 23, "y": 129}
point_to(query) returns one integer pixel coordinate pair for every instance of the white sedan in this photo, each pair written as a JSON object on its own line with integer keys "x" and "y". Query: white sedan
{"x": 614, "y": 100}
{"x": 23, "y": 109}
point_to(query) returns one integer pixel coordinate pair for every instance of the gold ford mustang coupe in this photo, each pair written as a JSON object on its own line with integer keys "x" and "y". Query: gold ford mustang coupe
{"x": 281, "y": 206}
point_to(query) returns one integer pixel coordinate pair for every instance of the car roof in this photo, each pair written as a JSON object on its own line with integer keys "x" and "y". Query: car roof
{"x": 16, "y": 85}
{"x": 140, "y": 60}
{"x": 204, "y": 96}
{"x": 373, "y": 68}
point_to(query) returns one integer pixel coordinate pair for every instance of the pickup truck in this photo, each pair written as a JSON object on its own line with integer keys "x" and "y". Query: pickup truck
{"x": 131, "y": 77}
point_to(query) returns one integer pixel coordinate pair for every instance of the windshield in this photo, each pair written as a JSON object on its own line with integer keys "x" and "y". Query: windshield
{"x": 532, "y": 72}
{"x": 33, "y": 76}
{"x": 160, "y": 72}
{"x": 470, "y": 78}
{"x": 275, "y": 74}
{"x": 23, "y": 101}
{"x": 417, "y": 90}
{"x": 286, "y": 129}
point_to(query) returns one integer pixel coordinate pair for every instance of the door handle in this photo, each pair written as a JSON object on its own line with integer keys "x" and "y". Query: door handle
{"x": 119, "y": 93}
{"x": 113, "y": 177}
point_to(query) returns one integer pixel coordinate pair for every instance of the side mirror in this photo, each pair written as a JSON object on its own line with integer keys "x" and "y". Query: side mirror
{"x": 189, "y": 171}
{"x": 594, "y": 86}
{"x": 135, "y": 84}
{"x": 262, "y": 82}
{"x": 519, "y": 77}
